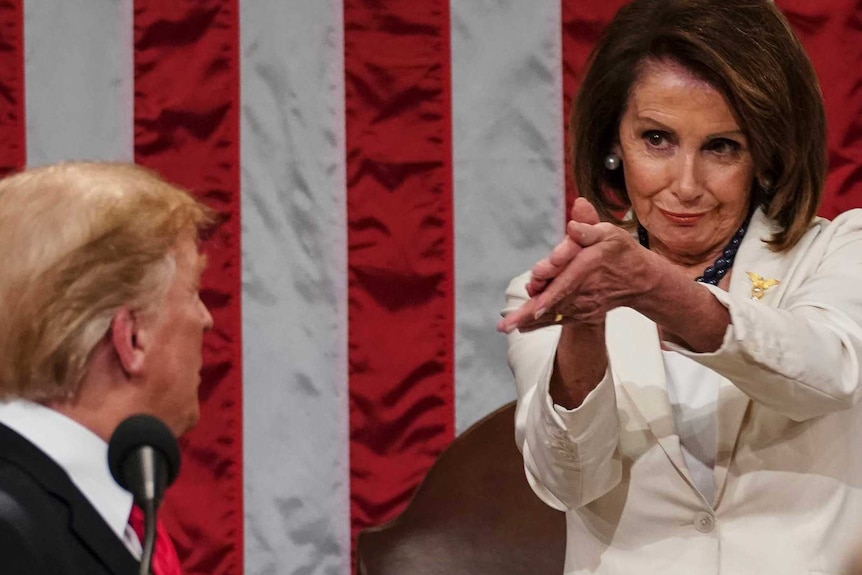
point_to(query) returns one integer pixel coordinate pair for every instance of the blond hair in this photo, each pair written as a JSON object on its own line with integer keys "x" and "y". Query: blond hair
{"x": 79, "y": 240}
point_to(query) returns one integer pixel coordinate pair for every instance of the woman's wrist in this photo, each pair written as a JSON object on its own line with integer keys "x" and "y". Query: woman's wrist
{"x": 684, "y": 308}
{"x": 579, "y": 365}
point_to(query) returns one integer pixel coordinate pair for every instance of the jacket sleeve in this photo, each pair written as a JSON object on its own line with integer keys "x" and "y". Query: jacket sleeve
{"x": 569, "y": 455}
{"x": 802, "y": 357}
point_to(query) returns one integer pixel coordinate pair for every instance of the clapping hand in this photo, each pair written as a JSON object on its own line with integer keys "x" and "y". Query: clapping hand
{"x": 591, "y": 271}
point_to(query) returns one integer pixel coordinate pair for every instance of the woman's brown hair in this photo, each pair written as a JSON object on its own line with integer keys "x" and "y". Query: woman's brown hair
{"x": 747, "y": 51}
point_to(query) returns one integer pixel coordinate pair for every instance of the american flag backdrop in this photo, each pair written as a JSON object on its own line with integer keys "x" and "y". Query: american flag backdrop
{"x": 383, "y": 168}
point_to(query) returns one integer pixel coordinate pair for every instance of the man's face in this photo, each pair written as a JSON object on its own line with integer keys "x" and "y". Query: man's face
{"x": 174, "y": 357}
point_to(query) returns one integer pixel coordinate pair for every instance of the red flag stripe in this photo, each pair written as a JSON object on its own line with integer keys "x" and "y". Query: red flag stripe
{"x": 186, "y": 123}
{"x": 834, "y": 44}
{"x": 400, "y": 253}
{"x": 13, "y": 146}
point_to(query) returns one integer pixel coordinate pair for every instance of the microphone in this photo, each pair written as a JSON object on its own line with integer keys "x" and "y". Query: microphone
{"x": 144, "y": 459}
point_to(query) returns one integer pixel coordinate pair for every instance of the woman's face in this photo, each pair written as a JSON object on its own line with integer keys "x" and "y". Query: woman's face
{"x": 687, "y": 166}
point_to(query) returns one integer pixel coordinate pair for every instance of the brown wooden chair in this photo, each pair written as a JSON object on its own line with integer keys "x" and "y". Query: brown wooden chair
{"x": 473, "y": 514}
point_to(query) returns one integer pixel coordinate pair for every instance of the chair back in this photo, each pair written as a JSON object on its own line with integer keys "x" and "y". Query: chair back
{"x": 473, "y": 514}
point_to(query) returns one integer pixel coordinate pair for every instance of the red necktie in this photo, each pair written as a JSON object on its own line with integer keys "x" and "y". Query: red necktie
{"x": 165, "y": 561}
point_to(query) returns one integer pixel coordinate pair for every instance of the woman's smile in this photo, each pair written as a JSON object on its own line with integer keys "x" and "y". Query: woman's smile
{"x": 682, "y": 218}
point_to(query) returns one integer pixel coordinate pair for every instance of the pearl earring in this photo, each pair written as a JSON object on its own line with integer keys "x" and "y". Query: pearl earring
{"x": 612, "y": 161}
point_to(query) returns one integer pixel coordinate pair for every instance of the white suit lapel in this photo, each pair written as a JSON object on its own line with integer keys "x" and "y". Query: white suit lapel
{"x": 754, "y": 256}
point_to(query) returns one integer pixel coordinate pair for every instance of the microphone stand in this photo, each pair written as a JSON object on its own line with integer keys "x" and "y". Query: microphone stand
{"x": 149, "y": 506}
{"x": 149, "y": 542}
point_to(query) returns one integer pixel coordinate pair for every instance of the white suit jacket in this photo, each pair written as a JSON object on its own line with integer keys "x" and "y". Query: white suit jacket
{"x": 788, "y": 468}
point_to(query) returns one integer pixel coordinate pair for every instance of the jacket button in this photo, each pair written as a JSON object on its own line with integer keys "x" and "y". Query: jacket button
{"x": 704, "y": 522}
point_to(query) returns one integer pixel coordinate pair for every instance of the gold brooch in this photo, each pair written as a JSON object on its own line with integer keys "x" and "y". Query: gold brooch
{"x": 759, "y": 285}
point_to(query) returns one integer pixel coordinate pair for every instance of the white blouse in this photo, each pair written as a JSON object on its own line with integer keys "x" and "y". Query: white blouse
{"x": 693, "y": 393}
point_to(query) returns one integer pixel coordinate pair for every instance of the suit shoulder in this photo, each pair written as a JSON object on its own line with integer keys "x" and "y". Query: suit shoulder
{"x": 22, "y": 499}
{"x": 844, "y": 223}
{"x": 842, "y": 235}
{"x": 27, "y": 514}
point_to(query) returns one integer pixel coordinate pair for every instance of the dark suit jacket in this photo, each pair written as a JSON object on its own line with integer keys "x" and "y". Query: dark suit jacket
{"x": 47, "y": 526}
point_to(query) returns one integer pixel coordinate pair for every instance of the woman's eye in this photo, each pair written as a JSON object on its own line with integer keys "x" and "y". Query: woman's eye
{"x": 655, "y": 138}
{"x": 723, "y": 146}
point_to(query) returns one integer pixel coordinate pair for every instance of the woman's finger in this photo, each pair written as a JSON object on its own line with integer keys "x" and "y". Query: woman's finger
{"x": 583, "y": 211}
{"x": 535, "y": 287}
{"x": 564, "y": 285}
{"x": 538, "y": 307}
{"x": 564, "y": 252}
{"x": 551, "y": 266}
{"x": 544, "y": 321}
{"x": 587, "y": 234}
{"x": 513, "y": 320}
{"x": 548, "y": 268}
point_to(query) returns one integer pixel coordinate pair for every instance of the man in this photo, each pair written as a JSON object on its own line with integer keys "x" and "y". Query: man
{"x": 100, "y": 319}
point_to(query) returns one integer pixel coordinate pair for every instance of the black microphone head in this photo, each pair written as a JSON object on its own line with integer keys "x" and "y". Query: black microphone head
{"x": 140, "y": 431}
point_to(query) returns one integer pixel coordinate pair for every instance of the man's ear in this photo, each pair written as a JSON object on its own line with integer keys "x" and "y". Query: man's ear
{"x": 127, "y": 341}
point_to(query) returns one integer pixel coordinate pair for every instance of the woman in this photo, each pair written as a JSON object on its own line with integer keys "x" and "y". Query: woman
{"x": 694, "y": 406}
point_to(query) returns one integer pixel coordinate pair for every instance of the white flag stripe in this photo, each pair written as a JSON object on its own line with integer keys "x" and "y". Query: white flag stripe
{"x": 508, "y": 172}
{"x": 79, "y": 80}
{"x": 294, "y": 300}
